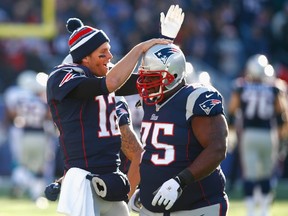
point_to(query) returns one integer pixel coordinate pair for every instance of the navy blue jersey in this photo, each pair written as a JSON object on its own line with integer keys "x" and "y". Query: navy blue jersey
{"x": 170, "y": 146}
{"x": 257, "y": 102}
{"x": 89, "y": 135}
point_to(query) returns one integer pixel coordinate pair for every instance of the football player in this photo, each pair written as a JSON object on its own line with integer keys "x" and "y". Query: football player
{"x": 81, "y": 97}
{"x": 257, "y": 103}
{"x": 130, "y": 154}
{"x": 30, "y": 135}
{"x": 184, "y": 134}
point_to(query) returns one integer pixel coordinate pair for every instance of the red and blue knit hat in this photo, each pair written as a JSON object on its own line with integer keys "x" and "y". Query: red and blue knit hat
{"x": 84, "y": 39}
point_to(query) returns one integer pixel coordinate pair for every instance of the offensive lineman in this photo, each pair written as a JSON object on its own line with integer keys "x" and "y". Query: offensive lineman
{"x": 184, "y": 134}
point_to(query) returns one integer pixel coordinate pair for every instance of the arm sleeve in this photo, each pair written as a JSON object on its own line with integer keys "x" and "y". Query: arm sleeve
{"x": 89, "y": 88}
{"x": 129, "y": 88}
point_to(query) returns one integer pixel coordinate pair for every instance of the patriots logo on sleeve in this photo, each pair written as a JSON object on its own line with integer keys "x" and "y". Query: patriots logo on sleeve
{"x": 208, "y": 105}
{"x": 70, "y": 75}
{"x": 165, "y": 53}
{"x": 121, "y": 111}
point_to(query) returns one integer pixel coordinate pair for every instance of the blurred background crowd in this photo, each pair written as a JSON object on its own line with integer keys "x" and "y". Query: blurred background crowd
{"x": 217, "y": 36}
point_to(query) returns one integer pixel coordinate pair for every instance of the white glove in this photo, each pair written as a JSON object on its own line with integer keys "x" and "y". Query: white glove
{"x": 168, "y": 193}
{"x": 170, "y": 25}
{"x": 134, "y": 203}
{"x": 99, "y": 186}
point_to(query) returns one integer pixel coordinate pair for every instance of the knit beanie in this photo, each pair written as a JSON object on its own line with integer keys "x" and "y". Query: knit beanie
{"x": 84, "y": 39}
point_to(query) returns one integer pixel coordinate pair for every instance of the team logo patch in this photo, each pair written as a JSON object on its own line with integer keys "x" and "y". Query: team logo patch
{"x": 70, "y": 75}
{"x": 122, "y": 111}
{"x": 208, "y": 105}
{"x": 165, "y": 53}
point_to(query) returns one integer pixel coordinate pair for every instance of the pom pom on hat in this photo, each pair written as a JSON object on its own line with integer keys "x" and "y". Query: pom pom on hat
{"x": 84, "y": 39}
{"x": 73, "y": 24}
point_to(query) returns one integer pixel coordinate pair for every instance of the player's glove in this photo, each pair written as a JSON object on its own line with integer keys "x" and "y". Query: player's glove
{"x": 171, "y": 23}
{"x": 122, "y": 111}
{"x": 134, "y": 203}
{"x": 52, "y": 191}
{"x": 167, "y": 194}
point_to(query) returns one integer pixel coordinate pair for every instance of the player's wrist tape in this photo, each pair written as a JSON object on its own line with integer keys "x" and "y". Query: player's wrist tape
{"x": 184, "y": 178}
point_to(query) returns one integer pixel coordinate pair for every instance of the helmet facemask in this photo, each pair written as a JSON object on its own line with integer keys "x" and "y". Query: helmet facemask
{"x": 151, "y": 85}
{"x": 163, "y": 68}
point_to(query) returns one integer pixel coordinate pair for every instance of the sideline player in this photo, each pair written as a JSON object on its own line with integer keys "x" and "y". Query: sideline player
{"x": 31, "y": 136}
{"x": 258, "y": 101}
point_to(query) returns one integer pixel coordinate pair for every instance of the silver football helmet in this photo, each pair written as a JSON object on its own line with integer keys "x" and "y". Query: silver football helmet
{"x": 163, "y": 68}
{"x": 27, "y": 80}
{"x": 256, "y": 67}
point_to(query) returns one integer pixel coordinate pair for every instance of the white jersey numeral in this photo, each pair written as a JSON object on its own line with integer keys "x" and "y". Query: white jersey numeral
{"x": 103, "y": 118}
{"x": 167, "y": 130}
{"x": 258, "y": 104}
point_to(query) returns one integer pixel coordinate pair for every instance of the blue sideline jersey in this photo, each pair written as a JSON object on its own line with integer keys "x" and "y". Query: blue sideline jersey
{"x": 89, "y": 135}
{"x": 257, "y": 102}
{"x": 170, "y": 146}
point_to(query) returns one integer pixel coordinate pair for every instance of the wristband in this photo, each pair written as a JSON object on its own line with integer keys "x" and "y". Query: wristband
{"x": 184, "y": 178}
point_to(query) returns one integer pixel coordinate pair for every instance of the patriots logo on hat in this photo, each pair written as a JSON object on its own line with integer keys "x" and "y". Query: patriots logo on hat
{"x": 208, "y": 105}
{"x": 165, "y": 53}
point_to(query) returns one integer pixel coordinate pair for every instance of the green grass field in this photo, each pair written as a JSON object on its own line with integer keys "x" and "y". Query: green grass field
{"x": 14, "y": 207}
{"x": 24, "y": 207}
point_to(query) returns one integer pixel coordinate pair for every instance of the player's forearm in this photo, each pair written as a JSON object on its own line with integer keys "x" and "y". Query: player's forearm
{"x": 123, "y": 69}
{"x": 207, "y": 161}
{"x": 131, "y": 145}
{"x": 132, "y": 149}
{"x": 134, "y": 175}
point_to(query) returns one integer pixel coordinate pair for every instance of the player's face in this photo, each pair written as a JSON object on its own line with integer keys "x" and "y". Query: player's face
{"x": 98, "y": 60}
{"x": 152, "y": 79}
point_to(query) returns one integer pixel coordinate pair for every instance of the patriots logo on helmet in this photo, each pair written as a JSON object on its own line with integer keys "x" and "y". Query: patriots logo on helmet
{"x": 208, "y": 105}
{"x": 165, "y": 53}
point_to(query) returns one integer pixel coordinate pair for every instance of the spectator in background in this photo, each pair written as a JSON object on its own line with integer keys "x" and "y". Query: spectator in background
{"x": 229, "y": 52}
{"x": 261, "y": 102}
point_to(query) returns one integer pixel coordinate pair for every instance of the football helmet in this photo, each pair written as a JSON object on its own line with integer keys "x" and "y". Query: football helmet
{"x": 27, "y": 80}
{"x": 163, "y": 68}
{"x": 256, "y": 67}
